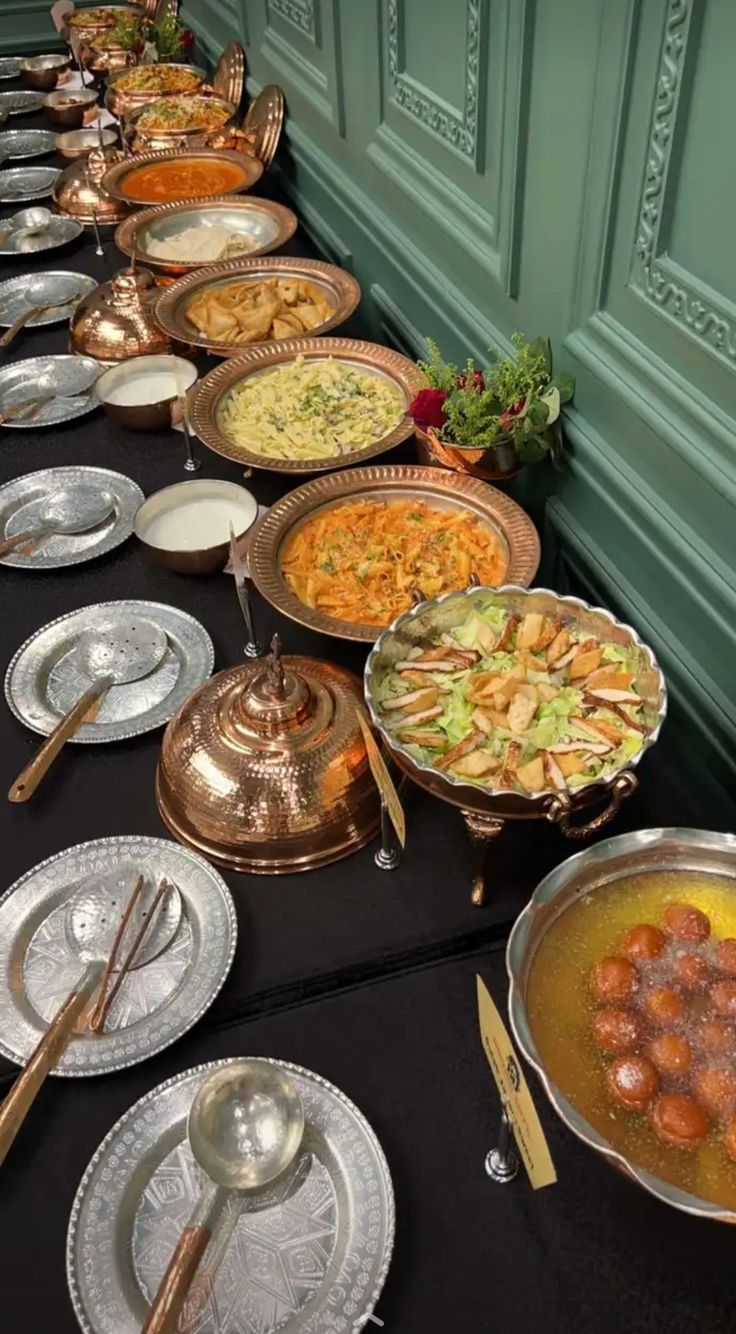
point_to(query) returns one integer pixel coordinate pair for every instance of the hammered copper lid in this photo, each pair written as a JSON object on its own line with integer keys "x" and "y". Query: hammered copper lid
{"x": 264, "y": 768}
{"x": 78, "y": 192}
{"x": 116, "y": 321}
{"x": 228, "y": 80}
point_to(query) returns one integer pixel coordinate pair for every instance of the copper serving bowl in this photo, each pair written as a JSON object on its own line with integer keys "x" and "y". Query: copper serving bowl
{"x": 142, "y": 140}
{"x": 103, "y": 61}
{"x": 124, "y": 397}
{"x": 80, "y": 143}
{"x": 123, "y": 101}
{"x": 591, "y": 873}
{"x": 197, "y": 556}
{"x": 214, "y": 388}
{"x": 66, "y": 106}
{"x": 267, "y": 224}
{"x": 339, "y": 287}
{"x": 385, "y": 483}
{"x": 98, "y": 19}
{"x": 42, "y": 72}
{"x": 485, "y": 808}
{"x": 114, "y": 179}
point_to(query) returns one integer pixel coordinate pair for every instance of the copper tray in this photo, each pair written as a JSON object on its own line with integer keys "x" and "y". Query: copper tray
{"x": 113, "y": 179}
{"x": 396, "y": 481}
{"x": 339, "y": 287}
{"x": 121, "y": 102}
{"x": 132, "y": 234}
{"x": 261, "y": 357}
{"x": 264, "y": 122}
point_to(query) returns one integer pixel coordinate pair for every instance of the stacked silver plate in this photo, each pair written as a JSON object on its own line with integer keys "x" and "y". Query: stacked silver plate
{"x": 306, "y": 1262}
{"x": 22, "y": 502}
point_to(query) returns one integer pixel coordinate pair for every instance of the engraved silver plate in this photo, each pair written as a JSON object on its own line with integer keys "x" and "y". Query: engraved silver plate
{"x": 314, "y": 1263}
{"x": 19, "y": 183}
{"x": 71, "y": 378}
{"x": 43, "y": 680}
{"x": 60, "y": 286}
{"x": 20, "y": 103}
{"x": 22, "y": 501}
{"x": 158, "y": 1002}
{"x": 26, "y": 143}
{"x": 9, "y": 67}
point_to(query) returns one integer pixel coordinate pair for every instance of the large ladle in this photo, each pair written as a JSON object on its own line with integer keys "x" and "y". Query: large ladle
{"x": 245, "y": 1128}
{"x": 65, "y": 511}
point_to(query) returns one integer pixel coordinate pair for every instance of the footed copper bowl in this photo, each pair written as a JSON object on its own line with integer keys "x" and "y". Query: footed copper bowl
{"x": 264, "y": 768}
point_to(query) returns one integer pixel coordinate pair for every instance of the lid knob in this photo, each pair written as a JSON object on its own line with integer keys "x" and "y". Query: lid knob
{"x": 276, "y": 701}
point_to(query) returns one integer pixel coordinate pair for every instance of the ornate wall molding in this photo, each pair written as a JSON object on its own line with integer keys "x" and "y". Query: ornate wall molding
{"x": 458, "y": 129}
{"x": 299, "y": 12}
{"x": 681, "y": 296}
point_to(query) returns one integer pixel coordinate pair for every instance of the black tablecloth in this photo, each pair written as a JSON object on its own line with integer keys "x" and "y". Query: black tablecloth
{"x": 346, "y": 970}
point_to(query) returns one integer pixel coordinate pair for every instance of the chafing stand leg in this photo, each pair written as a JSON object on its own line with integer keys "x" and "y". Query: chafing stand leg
{"x": 502, "y": 1163}
{"x": 481, "y": 829}
{"x": 388, "y": 856}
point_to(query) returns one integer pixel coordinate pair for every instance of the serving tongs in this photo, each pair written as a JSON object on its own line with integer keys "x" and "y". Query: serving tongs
{"x": 100, "y": 935}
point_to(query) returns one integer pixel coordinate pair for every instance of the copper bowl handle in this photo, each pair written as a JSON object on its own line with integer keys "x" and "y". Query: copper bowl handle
{"x": 560, "y": 808}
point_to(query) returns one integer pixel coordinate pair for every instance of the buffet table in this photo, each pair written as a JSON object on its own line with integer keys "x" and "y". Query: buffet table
{"x": 363, "y": 976}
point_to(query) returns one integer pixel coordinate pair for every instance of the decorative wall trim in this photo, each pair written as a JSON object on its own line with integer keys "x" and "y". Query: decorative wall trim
{"x": 457, "y": 129}
{"x": 299, "y": 12}
{"x": 27, "y": 27}
{"x": 321, "y": 88}
{"x": 396, "y": 326}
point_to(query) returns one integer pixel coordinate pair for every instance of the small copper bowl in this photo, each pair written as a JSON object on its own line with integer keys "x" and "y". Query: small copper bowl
{"x": 42, "y": 72}
{"x": 182, "y": 497}
{"x": 116, "y": 390}
{"x": 66, "y": 108}
{"x": 79, "y": 143}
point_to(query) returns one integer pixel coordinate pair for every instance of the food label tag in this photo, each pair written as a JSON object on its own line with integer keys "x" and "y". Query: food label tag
{"x": 384, "y": 781}
{"x": 514, "y": 1092}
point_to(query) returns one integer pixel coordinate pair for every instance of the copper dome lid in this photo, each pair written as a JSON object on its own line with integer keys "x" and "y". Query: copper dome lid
{"x": 78, "y": 192}
{"x": 264, "y": 768}
{"x": 116, "y": 321}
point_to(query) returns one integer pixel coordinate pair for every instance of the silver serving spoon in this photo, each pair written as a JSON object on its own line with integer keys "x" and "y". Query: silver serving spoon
{"x": 66, "y": 511}
{"x": 92, "y": 926}
{"x": 36, "y": 220}
{"x": 27, "y": 315}
{"x": 109, "y": 655}
{"x": 245, "y": 1128}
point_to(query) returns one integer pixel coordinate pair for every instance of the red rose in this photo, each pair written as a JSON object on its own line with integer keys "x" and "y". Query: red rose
{"x": 137, "y": 48}
{"x": 478, "y": 381}
{"x": 187, "y": 39}
{"x": 428, "y": 408}
{"x": 505, "y": 419}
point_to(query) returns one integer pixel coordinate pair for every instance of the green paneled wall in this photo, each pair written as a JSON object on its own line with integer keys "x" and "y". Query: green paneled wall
{"x": 26, "y": 27}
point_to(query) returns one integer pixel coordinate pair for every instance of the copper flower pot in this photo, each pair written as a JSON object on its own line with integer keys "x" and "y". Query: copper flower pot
{"x": 496, "y": 463}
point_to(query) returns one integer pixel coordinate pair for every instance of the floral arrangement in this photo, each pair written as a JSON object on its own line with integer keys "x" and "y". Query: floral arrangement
{"x": 150, "y": 42}
{"x": 515, "y": 401}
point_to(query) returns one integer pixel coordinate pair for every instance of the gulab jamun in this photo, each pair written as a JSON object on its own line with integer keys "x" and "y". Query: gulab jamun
{"x": 687, "y": 922}
{"x": 717, "y": 1038}
{"x": 729, "y": 1138}
{"x": 643, "y": 942}
{"x": 725, "y": 957}
{"x": 617, "y": 1031}
{"x": 679, "y": 1120}
{"x": 723, "y": 996}
{"x": 715, "y": 1087}
{"x": 670, "y": 1053}
{"x": 663, "y": 1006}
{"x": 614, "y": 979}
{"x": 691, "y": 971}
{"x": 633, "y": 1082}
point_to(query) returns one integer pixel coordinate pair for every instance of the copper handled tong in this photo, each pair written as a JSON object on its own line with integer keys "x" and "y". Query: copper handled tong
{"x": 108, "y": 993}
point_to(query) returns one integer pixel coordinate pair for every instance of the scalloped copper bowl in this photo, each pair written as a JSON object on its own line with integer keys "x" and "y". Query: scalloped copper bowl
{"x": 339, "y": 287}
{"x": 384, "y": 482}
{"x": 269, "y": 224}
{"x": 114, "y": 179}
{"x": 121, "y": 101}
{"x": 587, "y": 874}
{"x": 212, "y": 390}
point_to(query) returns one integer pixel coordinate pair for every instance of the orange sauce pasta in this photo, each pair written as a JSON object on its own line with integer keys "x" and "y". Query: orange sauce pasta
{"x": 360, "y": 561}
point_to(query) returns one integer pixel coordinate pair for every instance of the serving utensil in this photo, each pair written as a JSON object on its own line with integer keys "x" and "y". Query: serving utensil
{"x": 65, "y": 511}
{"x": 252, "y": 647}
{"x": 116, "y": 654}
{"x": 102, "y": 921}
{"x": 22, "y": 320}
{"x": 98, "y": 239}
{"x": 23, "y": 498}
{"x": 245, "y": 1128}
{"x": 20, "y": 183}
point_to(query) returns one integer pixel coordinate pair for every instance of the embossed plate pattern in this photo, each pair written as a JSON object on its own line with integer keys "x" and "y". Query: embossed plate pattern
{"x": 27, "y": 143}
{"x": 22, "y": 500}
{"x": 62, "y": 286}
{"x": 21, "y": 183}
{"x": 158, "y": 1002}
{"x": 43, "y": 682}
{"x": 314, "y": 1264}
{"x": 72, "y": 378}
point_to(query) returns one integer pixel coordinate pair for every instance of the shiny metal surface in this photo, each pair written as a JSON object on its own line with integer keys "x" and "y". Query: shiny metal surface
{"x": 67, "y": 511}
{"x": 257, "y": 358}
{"x": 65, "y": 107}
{"x": 21, "y": 502}
{"x": 44, "y": 678}
{"x": 228, "y": 80}
{"x": 116, "y": 321}
{"x": 9, "y": 67}
{"x": 328, "y": 1249}
{"x": 27, "y": 143}
{"x": 63, "y": 288}
{"x": 264, "y": 769}
{"x": 72, "y": 379}
{"x": 120, "y": 101}
{"x": 144, "y": 415}
{"x": 20, "y": 183}
{"x": 245, "y": 1124}
{"x": 587, "y": 873}
{"x": 159, "y": 1002}
{"x": 80, "y": 193}
{"x": 264, "y": 122}
{"x": 24, "y": 238}
{"x": 20, "y": 103}
{"x": 193, "y": 559}
{"x": 143, "y": 141}
{"x": 121, "y": 651}
{"x": 267, "y": 224}
{"x": 338, "y": 286}
{"x": 42, "y": 72}
{"x": 115, "y": 177}
{"x": 93, "y": 916}
{"x": 384, "y": 482}
{"x": 74, "y": 144}
{"x": 240, "y": 574}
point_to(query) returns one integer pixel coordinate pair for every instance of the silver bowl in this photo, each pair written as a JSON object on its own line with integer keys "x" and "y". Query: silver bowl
{"x": 587, "y": 873}
{"x": 265, "y": 224}
{"x": 80, "y": 143}
{"x": 66, "y": 106}
{"x": 42, "y": 72}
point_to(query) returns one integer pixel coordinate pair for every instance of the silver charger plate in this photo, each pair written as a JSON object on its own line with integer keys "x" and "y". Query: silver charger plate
{"x": 156, "y": 1003}
{"x": 43, "y": 681}
{"x": 9, "y": 67}
{"x": 27, "y": 143}
{"x": 20, "y": 103}
{"x": 59, "y": 232}
{"x": 22, "y": 500}
{"x": 314, "y": 1263}
{"x": 73, "y": 377}
{"x": 40, "y": 289}
{"x": 21, "y": 183}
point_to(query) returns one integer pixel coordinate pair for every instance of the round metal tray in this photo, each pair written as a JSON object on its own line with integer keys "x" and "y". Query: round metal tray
{"x": 113, "y": 179}
{"x": 269, "y": 224}
{"x": 22, "y": 500}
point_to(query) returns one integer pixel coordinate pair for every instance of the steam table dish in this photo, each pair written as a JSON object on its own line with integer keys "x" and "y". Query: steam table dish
{"x": 172, "y": 176}
{"x": 184, "y": 123}
{"x": 531, "y": 725}
{"x": 623, "y": 995}
{"x": 171, "y": 239}
{"x": 510, "y": 539}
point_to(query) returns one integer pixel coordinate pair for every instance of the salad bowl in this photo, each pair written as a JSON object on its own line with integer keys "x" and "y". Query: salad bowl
{"x": 485, "y": 806}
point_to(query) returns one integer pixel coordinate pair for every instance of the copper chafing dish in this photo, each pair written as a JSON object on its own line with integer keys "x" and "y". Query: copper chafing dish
{"x": 122, "y": 101}
{"x": 89, "y": 24}
{"x": 691, "y": 853}
{"x": 116, "y": 321}
{"x": 105, "y": 58}
{"x": 486, "y": 809}
{"x": 265, "y": 769}
{"x": 79, "y": 191}
{"x": 142, "y": 140}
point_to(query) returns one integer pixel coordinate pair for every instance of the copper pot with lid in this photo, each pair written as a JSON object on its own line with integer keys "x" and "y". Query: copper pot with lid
{"x": 264, "y": 769}
{"x": 79, "y": 194}
{"x": 116, "y": 321}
